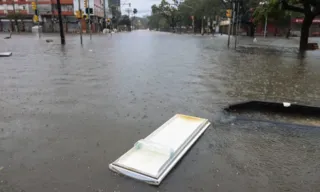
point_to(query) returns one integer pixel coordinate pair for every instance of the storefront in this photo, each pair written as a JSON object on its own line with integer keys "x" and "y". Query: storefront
{"x": 314, "y": 28}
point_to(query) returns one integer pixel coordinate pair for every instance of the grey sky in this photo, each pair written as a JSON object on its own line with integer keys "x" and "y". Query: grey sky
{"x": 143, "y": 6}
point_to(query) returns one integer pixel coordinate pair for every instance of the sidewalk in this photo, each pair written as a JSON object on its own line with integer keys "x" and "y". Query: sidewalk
{"x": 282, "y": 42}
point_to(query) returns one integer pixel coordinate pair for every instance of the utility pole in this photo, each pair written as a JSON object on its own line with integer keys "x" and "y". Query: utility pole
{"x": 80, "y": 25}
{"x": 104, "y": 15}
{"x": 89, "y": 21}
{"x": 233, "y": 17}
{"x": 38, "y": 14}
{"x": 63, "y": 41}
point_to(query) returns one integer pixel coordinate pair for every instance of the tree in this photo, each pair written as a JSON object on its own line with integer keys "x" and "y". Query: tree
{"x": 125, "y": 20}
{"x": 310, "y": 9}
{"x": 275, "y": 15}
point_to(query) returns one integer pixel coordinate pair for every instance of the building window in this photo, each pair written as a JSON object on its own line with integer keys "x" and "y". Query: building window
{"x": 65, "y": 7}
{"x": 23, "y": 7}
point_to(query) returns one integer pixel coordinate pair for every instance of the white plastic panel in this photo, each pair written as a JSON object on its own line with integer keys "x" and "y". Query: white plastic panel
{"x": 154, "y": 155}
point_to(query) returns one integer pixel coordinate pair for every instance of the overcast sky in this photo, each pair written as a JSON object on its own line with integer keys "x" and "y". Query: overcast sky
{"x": 143, "y": 6}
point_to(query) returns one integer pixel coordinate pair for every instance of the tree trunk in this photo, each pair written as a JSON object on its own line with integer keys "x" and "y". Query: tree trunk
{"x": 305, "y": 32}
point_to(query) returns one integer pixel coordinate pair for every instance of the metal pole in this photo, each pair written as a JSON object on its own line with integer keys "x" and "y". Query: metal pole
{"x": 229, "y": 30}
{"x": 239, "y": 25}
{"x": 89, "y": 17}
{"x": 265, "y": 26}
{"x": 230, "y": 25}
{"x": 104, "y": 15}
{"x": 233, "y": 17}
{"x": 237, "y": 21}
{"x": 80, "y": 25}
{"x": 63, "y": 41}
{"x": 38, "y": 19}
{"x": 202, "y": 30}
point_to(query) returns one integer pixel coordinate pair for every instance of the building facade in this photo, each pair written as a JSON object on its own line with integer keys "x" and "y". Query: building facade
{"x": 96, "y": 17}
{"x": 18, "y": 14}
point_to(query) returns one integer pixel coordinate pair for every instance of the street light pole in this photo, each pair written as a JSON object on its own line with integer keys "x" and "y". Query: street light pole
{"x": 266, "y": 17}
{"x": 63, "y": 41}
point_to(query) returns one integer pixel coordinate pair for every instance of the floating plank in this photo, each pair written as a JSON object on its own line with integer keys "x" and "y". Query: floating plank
{"x": 5, "y": 54}
{"x": 152, "y": 158}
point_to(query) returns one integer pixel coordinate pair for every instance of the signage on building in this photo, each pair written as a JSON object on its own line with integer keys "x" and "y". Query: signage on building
{"x": 300, "y": 20}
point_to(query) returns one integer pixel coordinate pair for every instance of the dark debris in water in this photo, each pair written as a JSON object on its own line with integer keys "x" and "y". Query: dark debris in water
{"x": 276, "y": 112}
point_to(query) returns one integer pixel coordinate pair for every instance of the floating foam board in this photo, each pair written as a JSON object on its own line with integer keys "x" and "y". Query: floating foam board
{"x": 5, "y": 54}
{"x": 152, "y": 158}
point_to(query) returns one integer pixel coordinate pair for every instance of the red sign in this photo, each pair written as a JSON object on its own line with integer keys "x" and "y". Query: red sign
{"x": 300, "y": 20}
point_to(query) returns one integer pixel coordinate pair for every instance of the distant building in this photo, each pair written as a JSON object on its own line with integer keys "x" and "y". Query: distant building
{"x": 48, "y": 15}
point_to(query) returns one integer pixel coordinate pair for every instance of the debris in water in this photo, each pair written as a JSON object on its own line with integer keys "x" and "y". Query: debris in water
{"x": 1, "y": 168}
{"x": 286, "y": 104}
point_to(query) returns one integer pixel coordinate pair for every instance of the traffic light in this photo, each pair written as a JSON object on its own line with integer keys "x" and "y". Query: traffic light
{"x": 34, "y": 5}
{"x": 89, "y": 11}
{"x": 85, "y": 3}
{"x": 229, "y": 13}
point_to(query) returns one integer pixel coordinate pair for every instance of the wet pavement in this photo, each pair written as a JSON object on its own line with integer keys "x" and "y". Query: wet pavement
{"x": 67, "y": 112}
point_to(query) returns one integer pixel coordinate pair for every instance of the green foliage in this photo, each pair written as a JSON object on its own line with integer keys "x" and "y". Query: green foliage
{"x": 272, "y": 10}
{"x": 124, "y": 20}
{"x": 173, "y": 14}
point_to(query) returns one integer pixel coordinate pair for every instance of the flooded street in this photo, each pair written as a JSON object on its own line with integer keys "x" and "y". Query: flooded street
{"x": 67, "y": 112}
